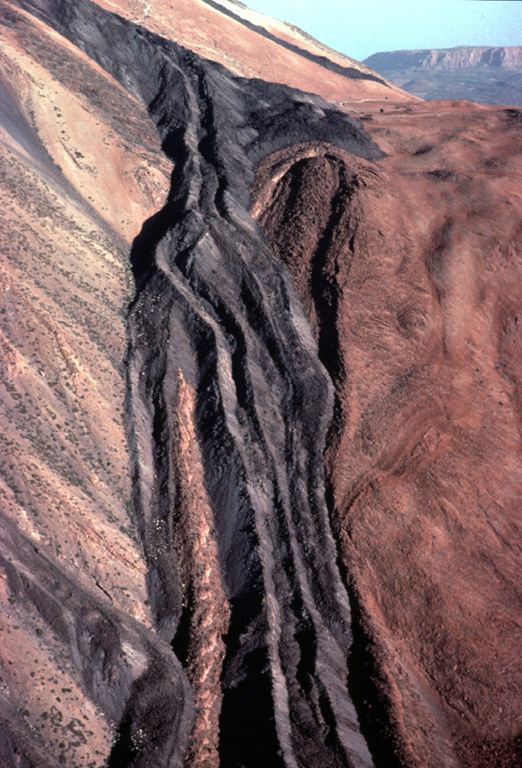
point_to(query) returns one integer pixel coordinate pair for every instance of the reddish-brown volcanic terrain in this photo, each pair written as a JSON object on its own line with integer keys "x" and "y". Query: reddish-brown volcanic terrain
{"x": 260, "y": 401}
{"x": 410, "y": 273}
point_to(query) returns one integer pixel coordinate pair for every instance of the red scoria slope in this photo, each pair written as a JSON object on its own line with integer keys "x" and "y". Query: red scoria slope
{"x": 408, "y": 268}
{"x": 203, "y": 27}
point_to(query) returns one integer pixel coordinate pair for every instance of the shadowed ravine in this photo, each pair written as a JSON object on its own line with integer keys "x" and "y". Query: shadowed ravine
{"x": 228, "y": 407}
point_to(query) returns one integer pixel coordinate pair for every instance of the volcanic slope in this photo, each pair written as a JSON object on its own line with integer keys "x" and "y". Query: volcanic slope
{"x": 227, "y": 404}
{"x": 215, "y": 610}
{"x": 253, "y": 45}
{"x": 410, "y": 272}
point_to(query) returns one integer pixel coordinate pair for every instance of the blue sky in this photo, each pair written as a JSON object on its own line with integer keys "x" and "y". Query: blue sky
{"x": 362, "y": 27}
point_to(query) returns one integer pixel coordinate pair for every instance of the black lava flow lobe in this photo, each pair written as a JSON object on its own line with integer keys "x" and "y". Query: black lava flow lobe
{"x": 213, "y": 302}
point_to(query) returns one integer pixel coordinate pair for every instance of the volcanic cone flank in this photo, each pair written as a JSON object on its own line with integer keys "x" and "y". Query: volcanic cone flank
{"x": 261, "y": 401}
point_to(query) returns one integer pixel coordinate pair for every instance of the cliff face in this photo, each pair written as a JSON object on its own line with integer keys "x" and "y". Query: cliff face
{"x": 486, "y": 75}
{"x": 461, "y": 57}
{"x": 264, "y": 455}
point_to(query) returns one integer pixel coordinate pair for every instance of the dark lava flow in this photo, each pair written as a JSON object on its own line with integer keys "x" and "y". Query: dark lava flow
{"x": 350, "y": 72}
{"x": 216, "y": 309}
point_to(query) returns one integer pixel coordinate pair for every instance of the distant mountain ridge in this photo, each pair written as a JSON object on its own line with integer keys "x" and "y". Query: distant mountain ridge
{"x": 461, "y": 57}
{"x": 490, "y": 75}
